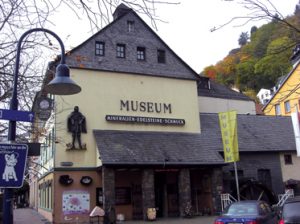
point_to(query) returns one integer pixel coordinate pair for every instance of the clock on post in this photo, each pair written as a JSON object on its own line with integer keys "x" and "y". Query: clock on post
{"x": 45, "y": 105}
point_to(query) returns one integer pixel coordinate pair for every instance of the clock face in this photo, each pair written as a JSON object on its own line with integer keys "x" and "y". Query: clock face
{"x": 44, "y": 104}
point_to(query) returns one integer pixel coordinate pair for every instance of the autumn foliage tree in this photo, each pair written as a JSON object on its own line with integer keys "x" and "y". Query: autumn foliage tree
{"x": 211, "y": 72}
{"x": 265, "y": 57}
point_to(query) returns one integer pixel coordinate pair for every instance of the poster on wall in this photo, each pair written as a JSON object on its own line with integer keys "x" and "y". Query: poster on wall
{"x": 76, "y": 202}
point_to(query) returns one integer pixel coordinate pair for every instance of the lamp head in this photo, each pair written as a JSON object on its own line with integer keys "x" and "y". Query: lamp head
{"x": 62, "y": 84}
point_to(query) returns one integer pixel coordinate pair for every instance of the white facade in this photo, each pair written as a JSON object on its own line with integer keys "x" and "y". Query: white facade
{"x": 216, "y": 105}
{"x": 264, "y": 95}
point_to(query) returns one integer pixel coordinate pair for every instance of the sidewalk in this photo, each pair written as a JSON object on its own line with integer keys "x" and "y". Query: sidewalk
{"x": 31, "y": 216}
{"x": 28, "y": 216}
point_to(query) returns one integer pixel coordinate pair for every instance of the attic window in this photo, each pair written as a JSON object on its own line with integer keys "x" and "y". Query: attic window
{"x": 120, "y": 50}
{"x": 288, "y": 159}
{"x": 99, "y": 48}
{"x": 161, "y": 56}
{"x": 203, "y": 83}
{"x": 141, "y": 54}
{"x": 130, "y": 26}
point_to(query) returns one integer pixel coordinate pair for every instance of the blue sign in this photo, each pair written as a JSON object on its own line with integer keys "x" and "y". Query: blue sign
{"x": 12, "y": 165}
{"x": 16, "y": 115}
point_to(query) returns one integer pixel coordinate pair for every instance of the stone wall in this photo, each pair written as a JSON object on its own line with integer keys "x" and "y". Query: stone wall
{"x": 148, "y": 192}
{"x": 217, "y": 187}
{"x": 108, "y": 183}
{"x": 184, "y": 188}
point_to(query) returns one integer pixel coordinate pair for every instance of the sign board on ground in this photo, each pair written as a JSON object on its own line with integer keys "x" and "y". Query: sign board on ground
{"x": 12, "y": 165}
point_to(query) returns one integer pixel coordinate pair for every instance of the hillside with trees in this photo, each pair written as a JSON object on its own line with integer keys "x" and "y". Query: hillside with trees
{"x": 263, "y": 56}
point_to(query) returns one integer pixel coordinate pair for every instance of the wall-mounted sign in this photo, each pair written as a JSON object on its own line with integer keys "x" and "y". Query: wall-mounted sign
{"x": 44, "y": 114}
{"x": 75, "y": 202}
{"x": 12, "y": 165}
{"x": 65, "y": 180}
{"x": 145, "y": 120}
{"x": 66, "y": 163}
{"x": 147, "y": 107}
{"x": 86, "y": 180}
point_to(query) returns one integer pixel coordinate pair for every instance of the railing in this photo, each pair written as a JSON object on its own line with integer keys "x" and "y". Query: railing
{"x": 226, "y": 199}
{"x": 289, "y": 193}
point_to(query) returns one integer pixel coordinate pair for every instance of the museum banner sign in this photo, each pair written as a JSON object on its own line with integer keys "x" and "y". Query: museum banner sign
{"x": 145, "y": 120}
{"x": 228, "y": 125}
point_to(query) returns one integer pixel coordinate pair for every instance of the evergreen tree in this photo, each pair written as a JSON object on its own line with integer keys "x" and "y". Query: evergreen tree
{"x": 244, "y": 37}
{"x": 253, "y": 29}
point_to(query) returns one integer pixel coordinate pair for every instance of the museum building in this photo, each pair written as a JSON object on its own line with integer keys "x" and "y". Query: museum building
{"x": 134, "y": 138}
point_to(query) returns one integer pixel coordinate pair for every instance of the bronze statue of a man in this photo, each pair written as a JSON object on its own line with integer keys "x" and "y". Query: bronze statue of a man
{"x": 76, "y": 125}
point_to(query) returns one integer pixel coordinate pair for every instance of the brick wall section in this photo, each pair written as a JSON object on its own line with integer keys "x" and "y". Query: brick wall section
{"x": 148, "y": 192}
{"x": 108, "y": 183}
{"x": 184, "y": 190}
{"x": 116, "y": 33}
{"x": 216, "y": 186}
{"x": 251, "y": 162}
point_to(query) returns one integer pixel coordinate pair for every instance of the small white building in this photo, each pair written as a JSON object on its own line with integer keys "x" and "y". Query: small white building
{"x": 264, "y": 95}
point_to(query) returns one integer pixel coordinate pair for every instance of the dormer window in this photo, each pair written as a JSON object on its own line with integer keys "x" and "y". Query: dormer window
{"x": 203, "y": 83}
{"x": 120, "y": 50}
{"x": 99, "y": 48}
{"x": 141, "y": 54}
{"x": 130, "y": 26}
{"x": 161, "y": 56}
{"x": 288, "y": 159}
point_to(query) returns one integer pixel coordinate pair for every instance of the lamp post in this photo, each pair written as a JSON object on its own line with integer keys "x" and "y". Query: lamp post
{"x": 60, "y": 85}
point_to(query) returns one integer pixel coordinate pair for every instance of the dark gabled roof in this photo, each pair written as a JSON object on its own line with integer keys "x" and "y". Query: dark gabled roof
{"x": 123, "y": 10}
{"x": 102, "y": 30}
{"x": 154, "y": 148}
{"x": 220, "y": 91}
{"x": 255, "y": 133}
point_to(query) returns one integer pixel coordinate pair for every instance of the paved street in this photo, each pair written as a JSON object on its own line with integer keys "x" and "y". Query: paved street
{"x": 27, "y": 215}
{"x": 195, "y": 220}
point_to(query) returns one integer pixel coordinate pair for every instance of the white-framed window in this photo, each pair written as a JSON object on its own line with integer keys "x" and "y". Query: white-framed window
{"x": 120, "y": 50}
{"x": 141, "y": 53}
{"x": 100, "y": 48}
{"x": 130, "y": 26}
{"x": 287, "y": 107}
{"x": 277, "y": 109}
{"x": 45, "y": 195}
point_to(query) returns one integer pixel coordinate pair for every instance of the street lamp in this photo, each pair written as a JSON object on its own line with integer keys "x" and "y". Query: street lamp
{"x": 60, "y": 85}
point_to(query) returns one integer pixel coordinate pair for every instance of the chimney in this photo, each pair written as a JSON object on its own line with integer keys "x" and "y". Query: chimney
{"x": 296, "y": 55}
{"x": 120, "y": 11}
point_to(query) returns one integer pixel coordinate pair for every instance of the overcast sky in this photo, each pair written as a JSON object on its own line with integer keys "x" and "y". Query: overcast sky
{"x": 187, "y": 30}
